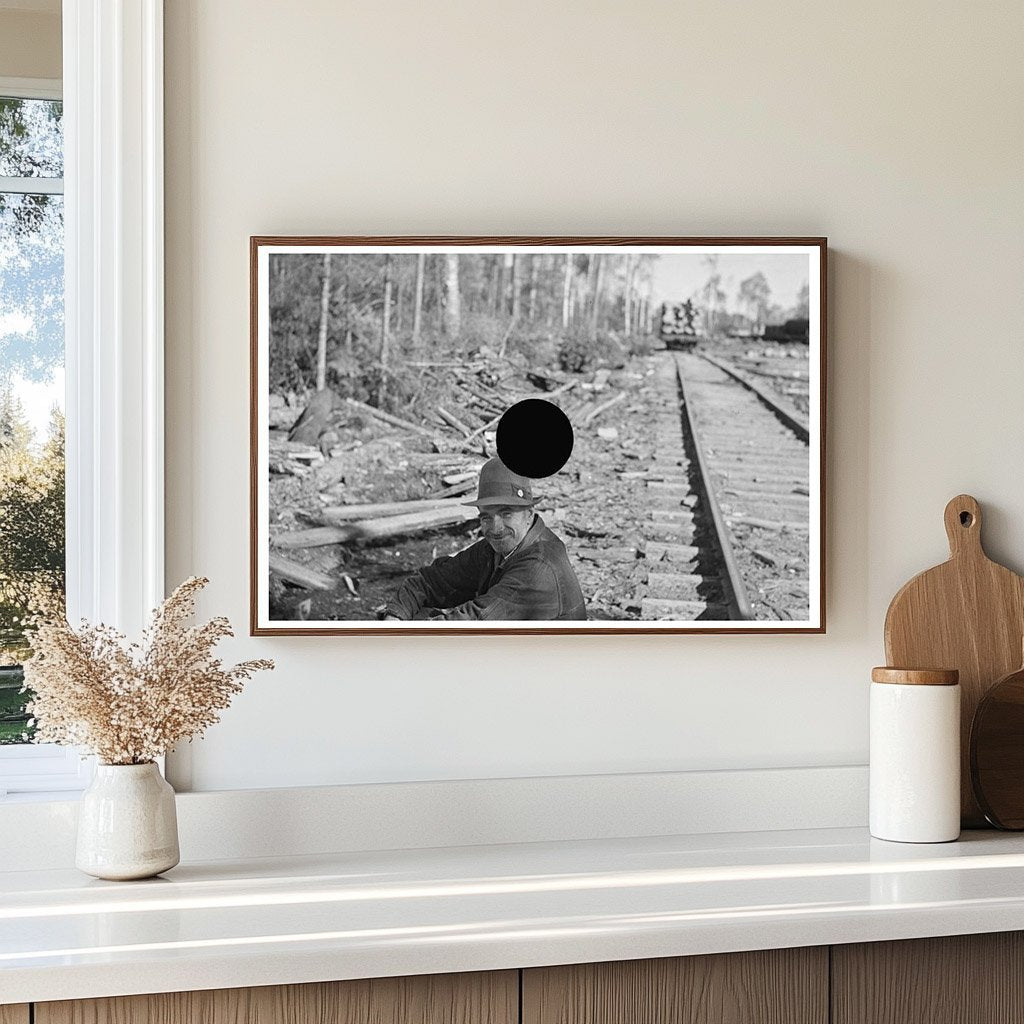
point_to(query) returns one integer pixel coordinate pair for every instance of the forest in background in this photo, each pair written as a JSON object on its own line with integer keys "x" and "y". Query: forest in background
{"x": 362, "y": 325}
{"x": 31, "y": 545}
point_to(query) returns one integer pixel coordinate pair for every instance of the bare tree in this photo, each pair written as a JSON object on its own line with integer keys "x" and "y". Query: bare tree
{"x": 507, "y": 270}
{"x": 495, "y": 294}
{"x": 385, "y": 328}
{"x": 517, "y": 286}
{"x": 321, "y": 341}
{"x": 627, "y": 296}
{"x": 452, "y": 307}
{"x": 417, "y": 302}
{"x": 755, "y": 294}
{"x": 531, "y": 294}
{"x": 597, "y": 270}
{"x": 566, "y": 291}
{"x": 439, "y": 271}
{"x": 802, "y": 309}
{"x": 711, "y": 293}
{"x": 346, "y": 290}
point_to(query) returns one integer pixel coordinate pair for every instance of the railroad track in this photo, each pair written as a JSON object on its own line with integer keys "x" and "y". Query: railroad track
{"x": 728, "y": 499}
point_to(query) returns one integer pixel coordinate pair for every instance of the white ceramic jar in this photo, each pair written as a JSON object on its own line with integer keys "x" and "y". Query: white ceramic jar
{"x": 915, "y": 755}
{"x": 127, "y": 823}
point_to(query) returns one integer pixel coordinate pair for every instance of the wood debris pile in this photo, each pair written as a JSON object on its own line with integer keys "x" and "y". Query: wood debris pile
{"x": 361, "y": 496}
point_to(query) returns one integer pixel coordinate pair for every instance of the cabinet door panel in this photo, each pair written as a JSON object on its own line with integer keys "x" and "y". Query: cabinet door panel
{"x": 959, "y": 979}
{"x": 776, "y": 986}
{"x": 14, "y": 1014}
{"x": 481, "y": 998}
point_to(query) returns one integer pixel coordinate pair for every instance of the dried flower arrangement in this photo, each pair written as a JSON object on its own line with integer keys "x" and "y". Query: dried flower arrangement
{"x": 129, "y": 704}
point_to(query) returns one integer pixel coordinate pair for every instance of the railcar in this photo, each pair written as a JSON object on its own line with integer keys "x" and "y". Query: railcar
{"x": 677, "y": 325}
{"x": 792, "y": 330}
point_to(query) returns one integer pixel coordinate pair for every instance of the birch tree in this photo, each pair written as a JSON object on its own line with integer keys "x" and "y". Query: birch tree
{"x": 385, "y": 328}
{"x": 452, "y": 305}
{"x": 597, "y": 267}
{"x": 417, "y": 300}
{"x": 517, "y": 287}
{"x": 627, "y": 297}
{"x": 531, "y": 300}
{"x": 321, "y": 339}
{"x": 566, "y": 290}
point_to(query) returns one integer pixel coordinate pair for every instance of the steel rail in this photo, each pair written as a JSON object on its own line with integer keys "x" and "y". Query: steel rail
{"x": 739, "y": 602}
{"x": 788, "y": 415}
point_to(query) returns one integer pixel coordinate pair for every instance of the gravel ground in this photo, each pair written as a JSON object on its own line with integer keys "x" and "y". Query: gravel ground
{"x": 597, "y": 504}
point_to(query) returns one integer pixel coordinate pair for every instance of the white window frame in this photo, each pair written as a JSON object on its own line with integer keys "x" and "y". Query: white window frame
{"x": 114, "y": 349}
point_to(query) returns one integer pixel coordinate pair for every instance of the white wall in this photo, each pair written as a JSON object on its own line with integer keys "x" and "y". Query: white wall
{"x": 895, "y": 129}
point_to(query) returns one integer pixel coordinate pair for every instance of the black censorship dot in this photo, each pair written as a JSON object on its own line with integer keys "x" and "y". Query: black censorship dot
{"x": 534, "y": 438}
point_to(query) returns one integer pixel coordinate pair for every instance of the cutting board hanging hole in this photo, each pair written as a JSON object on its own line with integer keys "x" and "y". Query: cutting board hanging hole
{"x": 963, "y": 526}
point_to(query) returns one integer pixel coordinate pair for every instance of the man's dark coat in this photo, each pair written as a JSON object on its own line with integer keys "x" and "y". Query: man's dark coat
{"x": 535, "y": 582}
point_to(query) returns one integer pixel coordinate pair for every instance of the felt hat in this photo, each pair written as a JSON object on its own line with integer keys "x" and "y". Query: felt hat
{"x": 498, "y": 485}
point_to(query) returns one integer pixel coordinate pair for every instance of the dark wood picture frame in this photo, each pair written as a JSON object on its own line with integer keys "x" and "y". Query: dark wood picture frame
{"x": 813, "y": 427}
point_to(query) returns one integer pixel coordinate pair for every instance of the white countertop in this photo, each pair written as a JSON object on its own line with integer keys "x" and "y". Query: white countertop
{"x": 225, "y": 924}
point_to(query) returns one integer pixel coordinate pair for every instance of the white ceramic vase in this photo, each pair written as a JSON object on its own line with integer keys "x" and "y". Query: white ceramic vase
{"x": 127, "y": 825}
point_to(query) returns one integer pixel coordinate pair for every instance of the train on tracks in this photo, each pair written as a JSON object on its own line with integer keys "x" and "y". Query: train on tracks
{"x": 679, "y": 328}
{"x": 677, "y": 325}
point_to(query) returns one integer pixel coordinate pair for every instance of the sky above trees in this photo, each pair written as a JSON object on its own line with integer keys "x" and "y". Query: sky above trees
{"x": 677, "y": 278}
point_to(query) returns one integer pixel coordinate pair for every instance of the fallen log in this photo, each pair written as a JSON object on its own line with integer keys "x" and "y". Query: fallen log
{"x": 292, "y": 449}
{"x": 376, "y": 529}
{"x": 562, "y": 390}
{"x": 291, "y": 571}
{"x": 286, "y": 467}
{"x": 594, "y": 413}
{"x": 482, "y": 391}
{"x": 489, "y": 425}
{"x": 337, "y": 514}
{"x": 492, "y": 423}
{"x": 455, "y": 490}
{"x": 459, "y": 478}
{"x": 453, "y": 421}
{"x": 386, "y": 417}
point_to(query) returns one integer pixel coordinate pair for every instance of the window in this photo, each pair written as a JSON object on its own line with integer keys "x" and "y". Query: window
{"x": 32, "y": 535}
{"x": 31, "y": 379}
{"x": 113, "y": 332}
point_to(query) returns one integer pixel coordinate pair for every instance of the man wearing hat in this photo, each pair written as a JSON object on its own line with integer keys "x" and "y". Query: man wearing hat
{"x": 518, "y": 570}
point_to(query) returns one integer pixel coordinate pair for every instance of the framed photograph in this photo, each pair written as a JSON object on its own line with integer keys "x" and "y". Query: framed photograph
{"x": 537, "y": 435}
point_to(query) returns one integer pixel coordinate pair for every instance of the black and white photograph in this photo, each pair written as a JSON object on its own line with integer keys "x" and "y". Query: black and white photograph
{"x": 537, "y": 435}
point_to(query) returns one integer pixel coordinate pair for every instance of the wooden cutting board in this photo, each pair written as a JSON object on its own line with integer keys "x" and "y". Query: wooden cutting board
{"x": 967, "y": 614}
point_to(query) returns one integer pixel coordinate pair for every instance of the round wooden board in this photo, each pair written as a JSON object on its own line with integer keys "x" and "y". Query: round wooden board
{"x": 997, "y": 752}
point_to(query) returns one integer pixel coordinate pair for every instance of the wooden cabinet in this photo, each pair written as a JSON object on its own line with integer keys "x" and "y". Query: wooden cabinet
{"x": 480, "y": 998}
{"x": 776, "y": 986}
{"x": 961, "y": 979}
{"x": 966, "y": 979}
